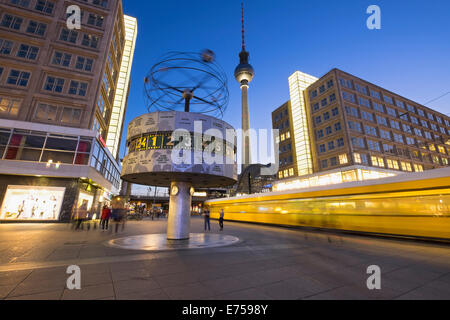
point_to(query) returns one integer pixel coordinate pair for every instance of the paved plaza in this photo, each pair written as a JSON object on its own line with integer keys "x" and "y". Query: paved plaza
{"x": 267, "y": 263}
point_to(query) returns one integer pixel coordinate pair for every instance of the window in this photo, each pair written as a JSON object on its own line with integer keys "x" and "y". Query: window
{"x": 318, "y": 120}
{"x": 356, "y": 126}
{"x": 330, "y": 84}
{"x": 71, "y": 115}
{"x": 343, "y": 158}
{"x": 361, "y": 89}
{"x": 373, "y": 145}
{"x": 54, "y": 84}
{"x": 333, "y": 97}
{"x": 9, "y": 107}
{"x": 18, "y": 78}
{"x": 335, "y": 112}
{"x": 398, "y": 138}
{"x": 337, "y": 126}
{"x": 382, "y": 121}
{"x": 28, "y": 52}
{"x": 37, "y": 28}
{"x": 406, "y": 128}
{"x": 395, "y": 124}
{"x": 392, "y": 164}
{"x": 95, "y": 20}
{"x": 424, "y": 123}
{"x": 68, "y": 35}
{"x": 328, "y": 131}
{"x": 322, "y": 148}
{"x": 348, "y": 96}
{"x": 340, "y": 142}
{"x": 324, "y": 164}
{"x": 418, "y": 168}
{"x": 409, "y": 107}
{"x": 61, "y": 59}
{"x": 430, "y": 116}
{"x": 388, "y": 148}
{"x": 364, "y": 102}
{"x": 414, "y": 120}
{"x": 371, "y": 131}
{"x": 331, "y": 145}
{"x": 358, "y": 143}
{"x": 367, "y": 116}
{"x": 333, "y": 161}
{"x": 22, "y": 3}
{"x": 377, "y": 161}
{"x": 378, "y": 107}
{"x": 391, "y": 112}
{"x": 385, "y": 134}
{"x": 46, "y": 112}
{"x": 326, "y": 116}
{"x": 421, "y": 112}
{"x": 5, "y": 46}
{"x": 442, "y": 150}
{"x": 439, "y": 119}
{"x": 44, "y": 6}
{"x": 418, "y": 132}
{"x": 346, "y": 83}
{"x": 90, "y": 40}
{"x": 322, "y": 89}
{"x": 101, "y": 3}
{"x": 428, "y": 135}
{"x": 375, "y": 94}
{"x": 410, "y": 141}
{"x": 11, "y": 22}
{"x": 324, "y": 102}
{"x": 388, "y": 100}
{"x": 313, "y": 94}
{"x": 352, "y": 111}
{"x": 316, "y": 107}
{"x": 84, "y": 64}
{"x": 78, "y": 88}
{"x": 406, "y": 166}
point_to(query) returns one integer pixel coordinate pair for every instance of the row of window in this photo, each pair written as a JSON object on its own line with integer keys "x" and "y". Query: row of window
{"x": 328, "y": 85}
{"x": 324, "y": 102}
{"x": 388, "y": 163}
{"x": 286, "y": 173}
{"x": 375, "y": 94}
{"x": 44, "y": 6}
{"x": 286, "y": 161}
{"x": 332, "y": 145}
{"x": 359, "y": 113}
{"x": 15, "y": 23}
{"x": 326, "y": 116}
{"x": 328, "y": 130}
{"x": 59, "y": 58}
{"x": 100, "y": 3}
{"x": 279, "y": 116}
{"x": 334, "y": 161}
{"x": 72, "y": 36}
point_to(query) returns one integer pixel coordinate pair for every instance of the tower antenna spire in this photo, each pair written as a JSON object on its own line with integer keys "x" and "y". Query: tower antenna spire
{"x": 243, "y": 27}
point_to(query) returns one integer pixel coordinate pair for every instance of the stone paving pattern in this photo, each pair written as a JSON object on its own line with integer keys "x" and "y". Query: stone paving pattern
{"x": 269, "y": 264}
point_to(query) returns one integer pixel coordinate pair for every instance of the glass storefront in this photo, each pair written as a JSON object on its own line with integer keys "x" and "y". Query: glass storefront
{"x": 32, "y": 203}
{"x": 27, "y": 145}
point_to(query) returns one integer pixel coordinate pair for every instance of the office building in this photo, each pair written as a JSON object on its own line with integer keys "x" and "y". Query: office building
{"x": 355, "y": 130}
{"x": 60, "y": 91}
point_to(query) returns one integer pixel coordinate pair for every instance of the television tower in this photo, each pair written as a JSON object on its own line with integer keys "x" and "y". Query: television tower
{"x": 244, "y": 74}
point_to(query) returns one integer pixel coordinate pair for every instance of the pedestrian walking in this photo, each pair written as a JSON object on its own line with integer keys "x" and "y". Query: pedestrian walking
{"x": 207, "y": 221}
{"x": 222, "y": 214}
{"x": 106, "y": 215}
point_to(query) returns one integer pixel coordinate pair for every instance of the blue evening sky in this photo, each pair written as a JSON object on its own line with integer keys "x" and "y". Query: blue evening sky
{"x": 410, "y": 55}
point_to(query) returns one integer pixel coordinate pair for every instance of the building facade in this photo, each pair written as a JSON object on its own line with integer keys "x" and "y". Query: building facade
{"x": 352, "y": 123}
{"x": 59, "y": 89}
{"x": 282, "y": 121}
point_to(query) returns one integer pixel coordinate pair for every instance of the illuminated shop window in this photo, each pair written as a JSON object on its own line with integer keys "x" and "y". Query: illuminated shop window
{"x": 406, "y": 166}
{"x": 343, "y": 159}
{"x": 418, "y": 168}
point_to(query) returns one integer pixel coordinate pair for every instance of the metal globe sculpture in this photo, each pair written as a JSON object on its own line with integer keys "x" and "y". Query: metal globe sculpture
{"x": 189, "y": 82}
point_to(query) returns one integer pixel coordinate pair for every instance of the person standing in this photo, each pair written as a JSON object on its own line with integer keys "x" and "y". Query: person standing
{"x": 207, "y": 221}
{"x": 222, "y": 214}
{"x": 106, "y": 214}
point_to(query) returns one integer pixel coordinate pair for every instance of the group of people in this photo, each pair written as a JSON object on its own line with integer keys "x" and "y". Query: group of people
{"x": 206, "y": 215}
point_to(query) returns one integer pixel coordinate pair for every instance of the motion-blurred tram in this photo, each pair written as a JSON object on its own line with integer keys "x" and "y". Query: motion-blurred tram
{"x": 413, "y": 205}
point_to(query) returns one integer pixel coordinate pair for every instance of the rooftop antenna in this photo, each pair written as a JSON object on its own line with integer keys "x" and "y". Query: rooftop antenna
{"x": 243, "y": 27}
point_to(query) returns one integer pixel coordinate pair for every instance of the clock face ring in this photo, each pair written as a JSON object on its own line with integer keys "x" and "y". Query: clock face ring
{"x": 174, "y": 191}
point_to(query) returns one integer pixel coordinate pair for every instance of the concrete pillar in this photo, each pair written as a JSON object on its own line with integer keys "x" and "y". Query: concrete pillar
{"x": 246, "y": 153}
{"x": 179, "y": 222}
